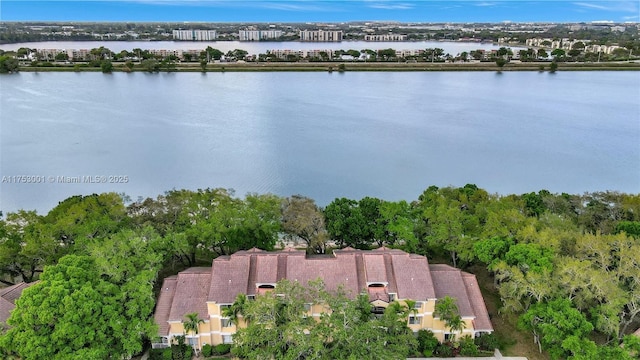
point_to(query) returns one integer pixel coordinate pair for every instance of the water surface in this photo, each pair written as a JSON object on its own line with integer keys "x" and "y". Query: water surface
{"x": 323, "y": 135}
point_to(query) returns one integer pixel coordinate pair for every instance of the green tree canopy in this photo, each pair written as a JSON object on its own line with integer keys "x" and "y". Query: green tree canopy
{"x": 556, "y": 323}
{"x": 302, "y": 218}
{"x": 279, "y": 327}
{"x": 73, "y": 312}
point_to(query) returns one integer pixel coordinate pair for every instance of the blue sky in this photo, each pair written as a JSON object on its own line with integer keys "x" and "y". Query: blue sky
{"x": 322, "y": 11}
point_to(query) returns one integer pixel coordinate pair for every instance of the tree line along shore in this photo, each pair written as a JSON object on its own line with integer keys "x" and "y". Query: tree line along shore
{"x": 562, "y": 268}
{"x": 336, "y": 67}
{"x": 210, "y": 59}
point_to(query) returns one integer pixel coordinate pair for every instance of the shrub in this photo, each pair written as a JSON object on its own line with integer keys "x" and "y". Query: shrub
{"x": 444, "y": 350}
{"x": 468, "y": 347}
{"x": 488, "y": 342}
{"x": 160, "y": 354}
{"x": 106, "y": 66}
{"x": 188, "y": 353}
{"x": 207, "y": 350}
{"x": 427, "y": 342}
{"x": 221, "y": 349}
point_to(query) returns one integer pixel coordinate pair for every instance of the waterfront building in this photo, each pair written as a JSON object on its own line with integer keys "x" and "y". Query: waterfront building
{"x": 284, "y": 54}
{"x": 80, "y": 54}
{"x": 195, "y": 35}
{"x": 257, "y": 35}
{"x": 385, "y": 275}
{"x": 321, "y": 35}
{"x": 50, "y": 54}
{"x": 164, "y": 53}
{"x": 385, "y": 37}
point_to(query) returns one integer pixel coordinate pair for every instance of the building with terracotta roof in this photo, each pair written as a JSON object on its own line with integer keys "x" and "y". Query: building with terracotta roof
{"x": 386, "y": 275}
{"x": 8, "y": 297}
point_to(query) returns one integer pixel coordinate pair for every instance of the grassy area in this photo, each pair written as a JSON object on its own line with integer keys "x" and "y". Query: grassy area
{"x": 520, "y": 343}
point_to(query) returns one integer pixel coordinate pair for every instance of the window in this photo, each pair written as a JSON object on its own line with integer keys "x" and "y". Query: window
{"x": 225, "y": 306}
{"x": 392, "y": 297}
{"x": 418, "y": 305}
{"x": 448, "y": 336}
{"x": 264, "y": 288}
{"x": 251, "y": 297}
{"x": 193, "y": 341}
{"x": 225, "y": 322}
{"x": 414, "y": 320}
{"x": 227, "y": 339}
{"x": 307, "y": 307}
{"x": 376, "y": 286}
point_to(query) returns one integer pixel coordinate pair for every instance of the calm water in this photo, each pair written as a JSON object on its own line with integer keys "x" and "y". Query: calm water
{"x": 389, "y": 135}
{"x": 254, "y": 48}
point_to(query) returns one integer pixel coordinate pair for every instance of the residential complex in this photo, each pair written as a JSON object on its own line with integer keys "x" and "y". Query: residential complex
{"x": 568, "y": 44}
{"x": 386, "y": 37}
{"x": 386, "y": 275}
{"x": 320, "y": 35}
{"x": 257, "y": 35}
{"x": 194, "y": 35}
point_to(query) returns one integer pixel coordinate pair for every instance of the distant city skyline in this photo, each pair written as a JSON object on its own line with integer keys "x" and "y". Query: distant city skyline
{"x": 618, "y": 11}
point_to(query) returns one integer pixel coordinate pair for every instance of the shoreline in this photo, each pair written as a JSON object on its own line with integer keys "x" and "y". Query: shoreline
{"x": 356, "y": 66}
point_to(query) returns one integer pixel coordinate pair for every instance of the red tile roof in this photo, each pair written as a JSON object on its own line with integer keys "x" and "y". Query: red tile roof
{"x": 5, "y": 310}
{"x": 447, "y": 281}
{"x": 192, "y": 288}
{"x": 163, "y": 306}
{"x": 8, "y": 297}
{"x": 13, "y": 292}
{"x": 409, "y": 276}
{"x": 482, "y": 321}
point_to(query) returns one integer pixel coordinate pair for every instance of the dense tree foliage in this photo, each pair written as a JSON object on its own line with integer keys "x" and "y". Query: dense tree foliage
{"x": 576, "y": 256}
{"x": 210, "y": 222}
{"x": 76, "y": 311}
{"x": 280, "y": 327}
{"x": 303, "y": 219}
{"x": 8, "y": 64}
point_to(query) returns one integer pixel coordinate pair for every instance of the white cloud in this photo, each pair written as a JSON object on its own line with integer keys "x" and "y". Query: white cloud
{"x": 592, "y": 6}
{"x": 623, "y": 6}
{"x": 291, "y": 6}
{"x": 388, "y": 5}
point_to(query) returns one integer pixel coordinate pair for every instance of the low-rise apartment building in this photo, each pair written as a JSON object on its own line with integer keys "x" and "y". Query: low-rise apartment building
{"x": 386, "y": 275}
{"x": 385, "y": 37}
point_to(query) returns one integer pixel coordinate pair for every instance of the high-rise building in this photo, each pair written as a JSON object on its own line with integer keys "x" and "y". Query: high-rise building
{"x": 321, "y": 35}
{"x": 194, "y": 35}
{"x": 257, "y": 35}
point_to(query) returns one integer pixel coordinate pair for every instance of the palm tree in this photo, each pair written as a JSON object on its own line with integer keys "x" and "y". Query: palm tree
{"x": 193, "y": 323}
{"x": 411, "y": 308}
{"x": 456, "y": 324}
{"x": 447, "y": 310}
{"x": 235, "y": 309}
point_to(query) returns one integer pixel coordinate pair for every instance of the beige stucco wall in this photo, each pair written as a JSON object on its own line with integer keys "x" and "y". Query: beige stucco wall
{"x": 211, "y": 331}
